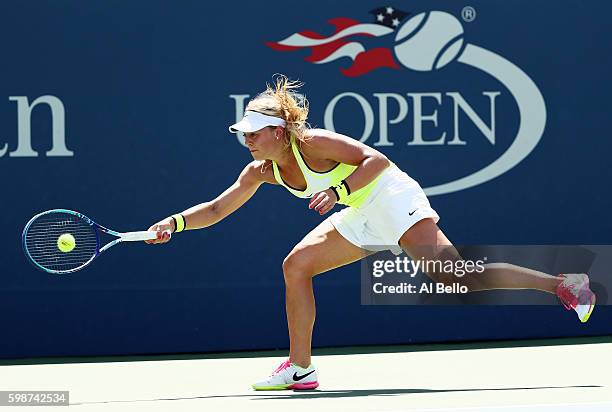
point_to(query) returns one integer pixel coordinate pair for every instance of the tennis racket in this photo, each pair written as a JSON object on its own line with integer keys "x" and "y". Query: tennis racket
{"x": 63, "y": 241}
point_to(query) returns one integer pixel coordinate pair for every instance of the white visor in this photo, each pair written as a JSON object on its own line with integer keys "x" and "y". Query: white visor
{"x": 254, "y": 121}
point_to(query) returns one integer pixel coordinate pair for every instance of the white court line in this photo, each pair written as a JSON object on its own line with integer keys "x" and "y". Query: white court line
{"x": 571, "y": 407}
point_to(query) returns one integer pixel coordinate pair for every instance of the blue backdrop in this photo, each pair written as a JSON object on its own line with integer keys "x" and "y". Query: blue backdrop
{"x": 130, "y": 125}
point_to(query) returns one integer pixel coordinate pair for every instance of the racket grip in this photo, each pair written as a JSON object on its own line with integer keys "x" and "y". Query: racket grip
{"x": 138, "y": 236}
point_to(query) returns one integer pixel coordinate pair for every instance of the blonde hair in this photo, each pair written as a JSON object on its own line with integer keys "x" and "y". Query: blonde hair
{"x": 282, "y": 100}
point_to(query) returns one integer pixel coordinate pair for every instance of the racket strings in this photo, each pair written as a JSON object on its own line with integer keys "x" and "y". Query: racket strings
{"x": 41, "y": 241}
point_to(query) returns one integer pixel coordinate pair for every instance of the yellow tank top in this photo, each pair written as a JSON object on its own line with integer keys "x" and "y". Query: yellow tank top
{"x": 318, "y": 181}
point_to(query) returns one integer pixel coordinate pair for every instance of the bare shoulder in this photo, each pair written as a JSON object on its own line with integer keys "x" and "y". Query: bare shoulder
{"x": 320, "y": 142}
{"x": 336, "y": 147}
{"x": 323, "y": 137}
{"x": 258, "y": 171}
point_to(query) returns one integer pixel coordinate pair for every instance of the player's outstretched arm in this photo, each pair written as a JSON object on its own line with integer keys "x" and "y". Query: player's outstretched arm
{"x": 208, "y": 213}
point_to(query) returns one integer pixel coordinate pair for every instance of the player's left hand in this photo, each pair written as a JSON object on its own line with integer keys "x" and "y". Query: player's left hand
{"x": 323, "y": 201}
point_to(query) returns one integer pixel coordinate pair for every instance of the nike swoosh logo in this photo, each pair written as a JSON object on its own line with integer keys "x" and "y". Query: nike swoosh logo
{"x": 297, "y": 377}
{"x": 412, "y": 213}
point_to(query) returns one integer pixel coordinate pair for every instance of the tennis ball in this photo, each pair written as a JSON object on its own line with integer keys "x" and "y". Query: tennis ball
{"x": 437, "y": 42}
{"x": 66, "y": 242}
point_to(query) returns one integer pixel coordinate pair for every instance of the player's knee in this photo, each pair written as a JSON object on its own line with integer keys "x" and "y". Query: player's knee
{"x": 297, "y": 266}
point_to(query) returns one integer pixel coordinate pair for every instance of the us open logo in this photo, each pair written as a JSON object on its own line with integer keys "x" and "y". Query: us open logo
{"x": 424, "y": 43}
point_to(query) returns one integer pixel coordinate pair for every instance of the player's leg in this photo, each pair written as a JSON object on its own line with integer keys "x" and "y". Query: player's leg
{"x": 319, "y": 251}
{"x": 425, "y": 240}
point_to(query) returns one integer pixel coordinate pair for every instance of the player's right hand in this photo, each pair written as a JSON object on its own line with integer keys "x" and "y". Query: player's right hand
{"x": 164, "y": 230}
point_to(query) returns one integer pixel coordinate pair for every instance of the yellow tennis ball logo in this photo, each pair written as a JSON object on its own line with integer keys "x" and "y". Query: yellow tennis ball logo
{"x": 66, "y": 242}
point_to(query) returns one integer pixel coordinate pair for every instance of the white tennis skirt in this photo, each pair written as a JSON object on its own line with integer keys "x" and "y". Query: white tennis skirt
{"x": 394, "y": 205}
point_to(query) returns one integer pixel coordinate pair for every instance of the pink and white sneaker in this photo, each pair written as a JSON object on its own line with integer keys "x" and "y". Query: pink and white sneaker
{"x": 289, "y": 376}
{"x": 576, "y": 294}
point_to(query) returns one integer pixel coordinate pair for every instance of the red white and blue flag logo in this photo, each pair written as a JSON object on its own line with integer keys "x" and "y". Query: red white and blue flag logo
{"x": 348, "y": 41}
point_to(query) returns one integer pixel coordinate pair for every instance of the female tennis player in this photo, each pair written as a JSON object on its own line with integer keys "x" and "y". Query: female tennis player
{"x": 384, "y": 207}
